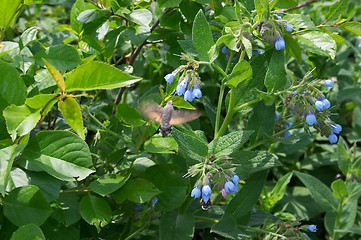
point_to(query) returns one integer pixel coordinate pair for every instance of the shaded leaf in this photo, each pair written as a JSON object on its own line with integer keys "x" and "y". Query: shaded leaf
{"x": 136, "y": 190}
{"x": 108, "y": 183}
{"x": 28, "y": 232}
{"x": 72, "y": 114}
{"x": 94, "y": 210}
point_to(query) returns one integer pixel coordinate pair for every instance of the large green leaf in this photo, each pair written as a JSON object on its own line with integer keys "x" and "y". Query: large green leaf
{"x": 72, "y": 114}
{"x": 42, "y": 101}
{"x": 225, "y": 145}
{"x": 77, "y": 8}
{"x": 292, "y": 47}
{"x": 28, "y": 36}
{"x": 276, "y": 77}
{"x": 129, "y": 115}
{"x": 319, "y": 43}
{"x": 354, "y": 27}
{"x": 242, "y": 72}
{"x": 136, "y": 190}
{"x": 20, "y": 120}
{"x": 62, "y": 57}
{"x": 141, "y": 17}
{"x": 168, "y": 3}
{"x": 62, "y": 154}
{"x": 337, "y": 9}
{"x": 174, "y": 225}
{"x": 8, "y": 11}
{"x": 159, "y": 144}
{"x": 94, "y": 210}
{"x": 202, "y": 36}
{"x": 300, "y": 21}
{"x": 98, "y": 75}
{"x": 247, "y": 162}
{"x": 108, "y": 183}
{"x": 13, "y": 89}
{"x": 28, "y": 232}
{"x": 26, "y": 205}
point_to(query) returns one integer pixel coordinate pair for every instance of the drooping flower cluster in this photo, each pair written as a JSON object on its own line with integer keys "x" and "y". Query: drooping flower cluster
{"x": 283, "y": 124}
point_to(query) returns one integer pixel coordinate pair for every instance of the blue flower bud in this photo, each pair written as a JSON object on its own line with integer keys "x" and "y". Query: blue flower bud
{"x": 280, "y": 43}
{"x": 326, "y": 103}
{"x": 205, "y": 198}
{"x": 319, "y": 105}
{"x": 235, "y": 179}
{"x": 336, "y": 128}
{"x": 206, "y": 190}
{"x": 181, "y": 88}
{"x": 189, "y": 96}
{"x": 359, "y": 64}
{"x": 312, "y": 228}
{"x": 328, "y": 83}
{"x": 257, "y": 52}
{"x": 276, "y": 116}
{"x": 197, "y": 92}
{"x": 224, "y": 50}
{"x": 196, "y": 192}
{"x": 288, "y": 27}
{"x": 169, "y": 77}
{"x": 311, "y": 118}
{"x": 332, "y": 138}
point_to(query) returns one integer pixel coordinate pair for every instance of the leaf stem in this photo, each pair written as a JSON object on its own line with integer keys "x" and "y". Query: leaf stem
{"x": 338, "y": 217}
{"x": 229, "y": 114}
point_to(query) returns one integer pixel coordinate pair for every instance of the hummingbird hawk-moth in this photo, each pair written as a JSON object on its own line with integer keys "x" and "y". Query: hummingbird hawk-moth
{"x": 167, "y": 116}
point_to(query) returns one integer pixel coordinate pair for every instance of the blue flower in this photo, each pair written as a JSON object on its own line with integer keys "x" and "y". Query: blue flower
{"x": 257, "y": 52}
{"x": 286, "y": 134}
{"x": 196, "y": 192}
{"x": 328, "y": 83}
{"x": 276, "y": 116}
{"x": 326, "y": 103}
{"x": 230, "y": 187}
{"x": 224, "y": 50}
{"x": 336, "y": 128}
{"x": 235, "y": 179}
{"x": 197, "y": 92}
{"x": 189, "y": 96}
{"x": 280, "y": 43}
{"x": 294, "y": 94}
{"x": 289, "y": 124}
{"x": 181, "y": 88}
{"x": 332, "y": 138}
{"x": 312, "y": 228}
{"x": 319, "y": 105}
{"x": 359, "y": 45}
{"x": 154, "y": 201}
{"x": 305, "y": 236}
{"x": 311, "y": 118}
{"x": 205, "y": 198}
{"x": 169, "y": 77}
{"x": 288, "y": 27}
{"x": 206, "y": 190}
{"x": 279, "y": 17}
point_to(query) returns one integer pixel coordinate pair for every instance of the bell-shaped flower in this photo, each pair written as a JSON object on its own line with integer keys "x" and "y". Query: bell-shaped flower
{"x": 169, "y": 77}
{"x": 311, "y": 118}
{"x": 181, "y": 88}
{"x": 280, "y": 43}
{"x": 196, "y": 192}
{"x": 332, "y": 138}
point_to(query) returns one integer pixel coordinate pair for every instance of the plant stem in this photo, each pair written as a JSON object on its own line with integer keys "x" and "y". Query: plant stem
{"x": 337, "y": 222}
{"x": 230, "y": 113}
{"x": 246, "y": 104}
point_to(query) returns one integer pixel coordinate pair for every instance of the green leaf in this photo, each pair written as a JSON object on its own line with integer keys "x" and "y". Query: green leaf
{"x": 10, "y": 80}
{"x": 227, "y": 227}
{"x": 191, "y": 146}
{"x": 318, "y": 43}
{"x": 77, "y": 8}
{"x": 136, "y": 190}
{"x": 42, "y": 101}
{"x": 181, "y": 103}
{"x": 300, "y": 21}
{"x": 202, "y": 36}
{"x": 90, "y": 15}
{"x": 174, "y": 225}
{"x": 72, "y": 114}
{"x": 349, "y": 230}
{"x": 108, "y": 183}
{"x": 20, "y": 120}
{"x": 28, "y": 36}
{"x": 247, "y": 162}
{"x": 61, "y": 57}
{"x": 226, "y": 145}
{"x": 350, "y": 205}
{"x": 339, "y": 188}
{"x": 94, "y": 210}
{"x": 141, "y": 16}
{"x": 292, "y": 47}
{"x": 189, "y": 9}
{"x": 62, "y": 154}
{"x": 280, "y": 189}
{"x": 344, "y": 158}
{"x": 168, "y": 3}
{"x": 8, "y": 11}
{"x": 90, "y": 76}
{"x": 159, "y": 144}
{"x": 242, "y": 72}
{"x": 26, "y": 205}
{"x": 7, "y": 156}
{"x": 319, "y": 191}
{"x": 276, "y": 76}
{"x": 58, "y": 78}
{"x": 28, "y": 232}
{"x": 354, "y": 27}
{"x": 262, "y": 7}
{"x": 337, "y": 9}
{"x": 129, "y": 115}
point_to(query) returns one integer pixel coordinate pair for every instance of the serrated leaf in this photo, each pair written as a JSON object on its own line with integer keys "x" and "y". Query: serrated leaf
{"x": 202, "y": 36}
{"x": 91, "y": 76}
{"x": 108, "y": 183}
{"x": 28, "y": 232}
{"x": 26, "y": 205}
{"x": 94, "y": 210}
{"x": 354, "y": 27}
{"x": 20, "y": 120}
{"x": 129, "y": 115}
{"x": 13, "y": 89}
{"x": 319, "y": 43}
{"x": 76, "y": 9}
{"x": 226, "y": 145}
{"x": 8, "y": 11}
{"x": 141, "y": 16}
{"x": 247, "y": 162}
{"x": 72, "y": 114}
{"x": 300, "y": 21}
{"x": 58, "y": 78}
{"x": 276, "y": 77}
{"x": 159, "y": 144}
{"x": 61, "y": 57}
{"x": 337, "y": 9}
{"x": 136, "y": 190}
{"x": 242, "y": 72}
{"x": 62, "y": 154}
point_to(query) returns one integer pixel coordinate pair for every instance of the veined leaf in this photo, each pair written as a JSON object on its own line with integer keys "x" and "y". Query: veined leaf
{"x": 56, "y": 75}
{"x": 319, "y": 43}
{"x": 354, "y": 27}
{"x": 28, "y": 232}
{"x": 94, "y": 210}
{"x": 72, "y": 114}
{"x": 242, "y": 72}
{"x": 202, "y": 36}
{"x": 8, "y": 11}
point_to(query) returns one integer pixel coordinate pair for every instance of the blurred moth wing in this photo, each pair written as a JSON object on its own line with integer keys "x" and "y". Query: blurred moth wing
{"x": 183, "y": 116}
{"x": 151, "y": 110}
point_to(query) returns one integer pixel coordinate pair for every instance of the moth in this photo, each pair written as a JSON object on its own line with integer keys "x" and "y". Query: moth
{"x": 167, "y": 116}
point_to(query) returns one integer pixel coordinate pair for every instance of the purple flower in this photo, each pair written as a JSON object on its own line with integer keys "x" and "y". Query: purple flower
{"x": 328, "y": 82}
{"x": 181, "y": 88}
{"x": 235, "y": 179}
{"x": 319, "y": 105}
{"x": 312, "y": 228}
{"x": 188, "y": 95}
{"x": 332, "y": 138}
{"x": 336, "y": 128}
{"x": 206, "y": 190}
{"x": 311, "y": 118}
{"x": 197, "y": 92}
{"x": 288, "y": 27}
{"x": 224, "y": 192}
{"x": 196, "y": 192}
{"x": 280, "y": 43}
{"x": 169, "y": 77}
